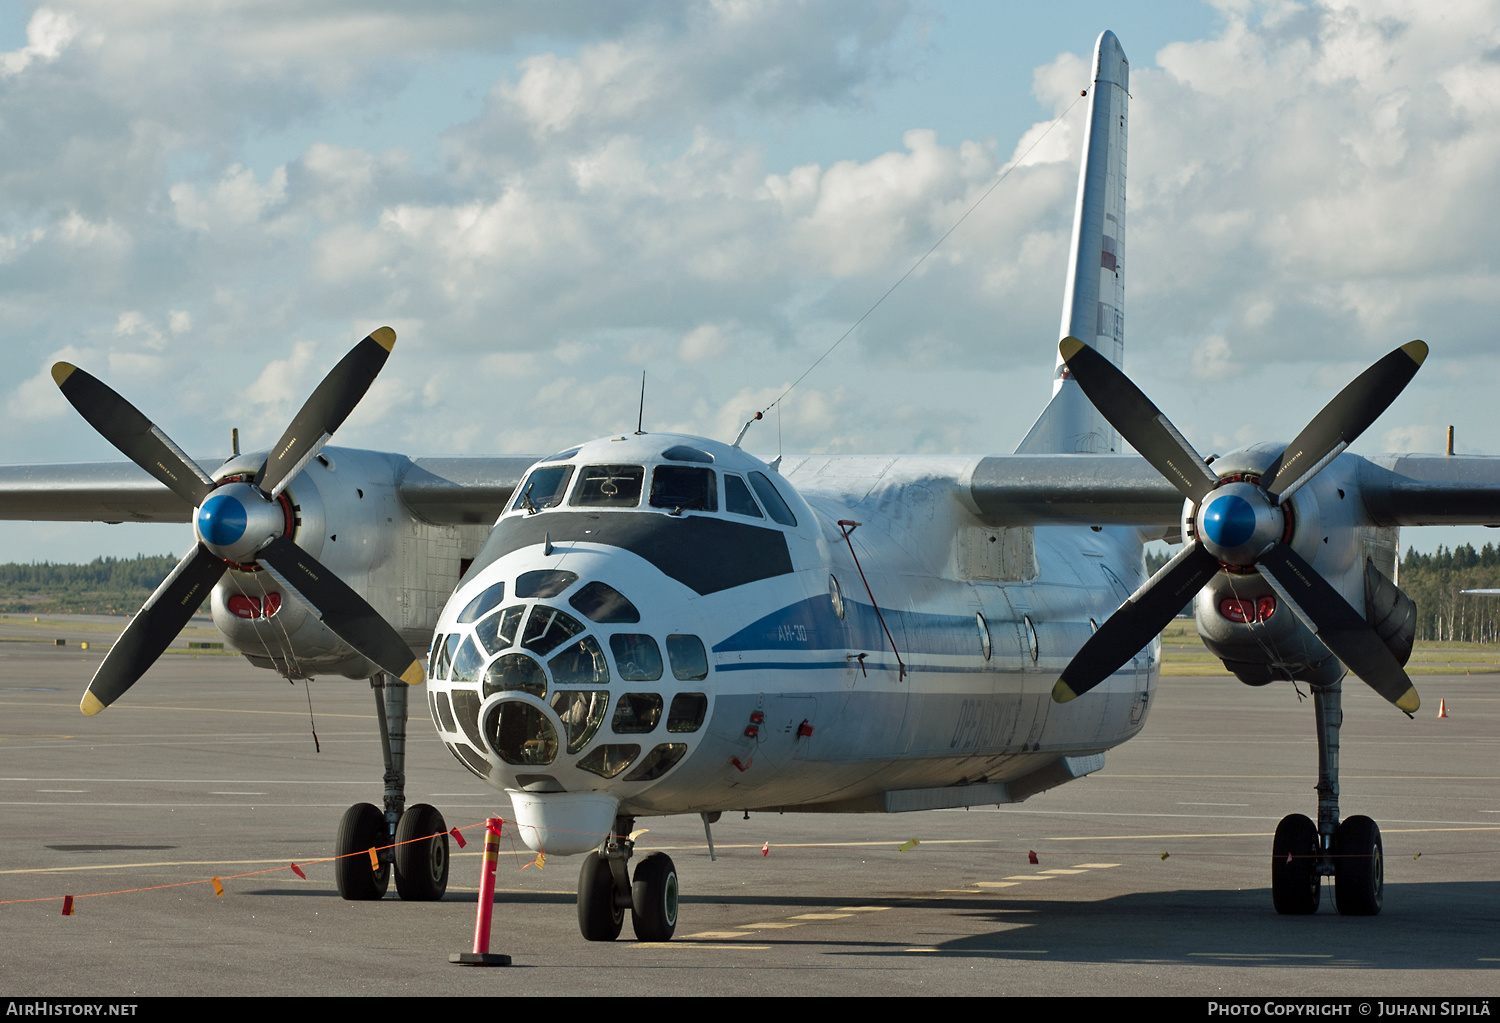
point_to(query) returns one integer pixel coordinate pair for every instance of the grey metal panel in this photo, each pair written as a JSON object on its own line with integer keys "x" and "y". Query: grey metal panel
{"x": 1431, "y": 490}
{"x": 458, "y": 490}
{"x": 1097, "y": 490}
{"x": 87, "y": 492}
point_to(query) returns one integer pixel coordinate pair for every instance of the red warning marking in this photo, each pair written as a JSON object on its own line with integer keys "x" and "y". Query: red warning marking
{"x": 67, "y": 905}
{"x": 1031, "y": 857}
{"x": 458, "y": 837}
{"x": 298, "y": 871}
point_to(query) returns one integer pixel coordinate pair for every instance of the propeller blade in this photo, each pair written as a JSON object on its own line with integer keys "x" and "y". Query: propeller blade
{"x": 157, "y": 623}
{"x": 123, "y": 425}
{"x": 1343, "y": 419}
{"x": 1138, "y": 420}
{"x": 1138, "y": 621}
{"x": 326, "y": 410}
{"x": 345, "y": 612}
{"x": 1339, "y": 626}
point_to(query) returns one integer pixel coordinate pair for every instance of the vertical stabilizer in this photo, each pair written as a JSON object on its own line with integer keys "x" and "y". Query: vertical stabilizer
{"x": 1094, "y": 295}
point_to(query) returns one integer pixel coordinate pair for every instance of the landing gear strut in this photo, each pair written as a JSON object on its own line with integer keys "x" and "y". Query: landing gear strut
{"x": 605, "y": 890}
{"x": 1302, "y": 854}
{"x": 420, "y": 856}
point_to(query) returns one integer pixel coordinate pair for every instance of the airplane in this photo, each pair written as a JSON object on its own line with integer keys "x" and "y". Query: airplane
{"x": 648, "y": 624}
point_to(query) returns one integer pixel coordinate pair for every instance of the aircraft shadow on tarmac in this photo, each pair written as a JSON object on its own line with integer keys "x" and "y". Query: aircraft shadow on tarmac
{"x": 1435, "y": 926}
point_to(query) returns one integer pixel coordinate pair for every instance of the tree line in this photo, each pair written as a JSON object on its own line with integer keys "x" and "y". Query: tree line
{"x": 101, "y": 586}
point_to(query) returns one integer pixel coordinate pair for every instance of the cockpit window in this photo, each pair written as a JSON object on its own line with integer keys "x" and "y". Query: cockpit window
{"x": 581, "y": 663}
{"x": 563, "y": 456}
{"x": 684, "y": 453}
{"x": 684, "y": 488}
{"x": 775, "y": 506}
{"x": 547, "y": 627}
{"x": 482, "y": 603}
{"x": 609, "y": 760}
{"x": 689, "y": 660}
{"x": 520, "y": 733}
{"x": 737, "y": 497}
{"x": 498, "y": 631}
{"x": 544, "y": 488}
{"x": 602, "y": 603}
{"x": 544, "y": 583}
{"x": 637, "y": 656}
{"x": 610, "y": 486}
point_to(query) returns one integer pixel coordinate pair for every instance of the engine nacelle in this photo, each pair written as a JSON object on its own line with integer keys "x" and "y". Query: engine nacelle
{"x": 1245, "y": 623}
{"x": 345, "y": 510}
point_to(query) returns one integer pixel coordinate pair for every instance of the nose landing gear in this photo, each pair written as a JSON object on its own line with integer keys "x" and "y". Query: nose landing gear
{"x": 1302, "y": 854}
{"x": 605, "y": 891}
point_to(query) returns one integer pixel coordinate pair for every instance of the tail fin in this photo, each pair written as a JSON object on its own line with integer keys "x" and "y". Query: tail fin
{"x": 1094, "y": 297}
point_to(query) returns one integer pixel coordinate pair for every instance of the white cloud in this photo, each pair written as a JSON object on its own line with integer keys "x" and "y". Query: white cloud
{"x": 47, "y": 34}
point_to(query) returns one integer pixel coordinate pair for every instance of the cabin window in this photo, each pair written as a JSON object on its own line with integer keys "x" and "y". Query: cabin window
{"x": 544, "y": 488}
{"x": 515, "y": 673}
{"x": 582, "y": 712}
{"x": 434, "y": 656}
{"x": 737, "y": 497}
{"x": 658, "y": 762}
{"x": 775, "y": 506}
{"x": 582, "y": 663}
{"x": 498, "y": 631}
{"x": 467, "y": 662}
{"x": 689, "y": 659}
{"x": 1031, "y": 641}
{"x": 636, "y": 714}
{"x": 609, "y": 486}
{"x": 685, "y": 453}
{"x": 544, "y": 582}
{"x": 466, "y": 710}
{"x": 609, "y": 760}
{"x": 484, "y": 602}
{"x": 687, "y": 711}
{"x": 547, "y": 628}
{"x": 984, "y": 635}
{"x": 521, "y": 734}
{"x": 836, "y": 597}
{"x": 637, "y": 656}
{"x": 684, "y": 488}
{"x": 600, "y": 602}
{"x": 444, "y": 710}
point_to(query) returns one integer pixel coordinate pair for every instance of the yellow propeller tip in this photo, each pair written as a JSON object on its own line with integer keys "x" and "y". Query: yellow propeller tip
{"x": 1416, "y": 351}
{"x": 1069, "y": 347}
{"x": 1062, "y": 693}
{"x": 90, "y": 704}
{"x": 413, "y": 676}
{"x": 61, "y": 371}
{"x": 385, "y": 337}
{"x": 1409, "y": 701}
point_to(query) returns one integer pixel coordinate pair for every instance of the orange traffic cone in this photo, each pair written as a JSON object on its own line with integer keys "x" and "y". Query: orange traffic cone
{"x": 1442, "y": 708}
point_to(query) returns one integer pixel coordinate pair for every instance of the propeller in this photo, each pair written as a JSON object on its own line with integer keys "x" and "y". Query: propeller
{"x": 1240, "y": 524}
{"x": 238, "y": 523}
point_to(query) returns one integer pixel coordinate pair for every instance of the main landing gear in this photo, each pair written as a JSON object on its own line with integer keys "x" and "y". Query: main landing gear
{"x": 605, "y": 890}
{"x": 1303, "y": 853}
{"x": 421, "y": 866}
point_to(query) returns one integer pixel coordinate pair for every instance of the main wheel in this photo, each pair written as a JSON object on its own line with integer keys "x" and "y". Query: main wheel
{"x": 1358, "y": 867}
{"x": 599, "y": 919}
{"x": 362, "y": 828}
{"x": 1295, "y": 884}
{"x": 653, "y": 898}
{"x": 421, "y": 854}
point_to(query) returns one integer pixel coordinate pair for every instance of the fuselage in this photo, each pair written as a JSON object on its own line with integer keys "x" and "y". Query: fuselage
{"x": 663, "y": 624}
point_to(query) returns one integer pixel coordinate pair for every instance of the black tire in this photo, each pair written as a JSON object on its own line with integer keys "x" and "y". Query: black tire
{"x": 421, "y": 865}
{"x": 653, "y": 898}
{"x": 362, "y": 828}
{"x": 1358, "y": 867}
{"x": 599, "y": 919}
{"x": 1295, "y": 884}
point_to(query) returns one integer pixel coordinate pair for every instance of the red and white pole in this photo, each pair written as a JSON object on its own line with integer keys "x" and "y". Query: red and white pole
{"x": 481, "y": 956}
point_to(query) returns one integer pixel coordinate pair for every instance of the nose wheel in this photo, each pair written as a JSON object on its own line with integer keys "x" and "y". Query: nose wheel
{"x": 605, "y": 891}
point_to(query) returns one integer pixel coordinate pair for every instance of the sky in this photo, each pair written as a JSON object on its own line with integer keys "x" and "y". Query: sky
{"x": 207, "y": 202}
